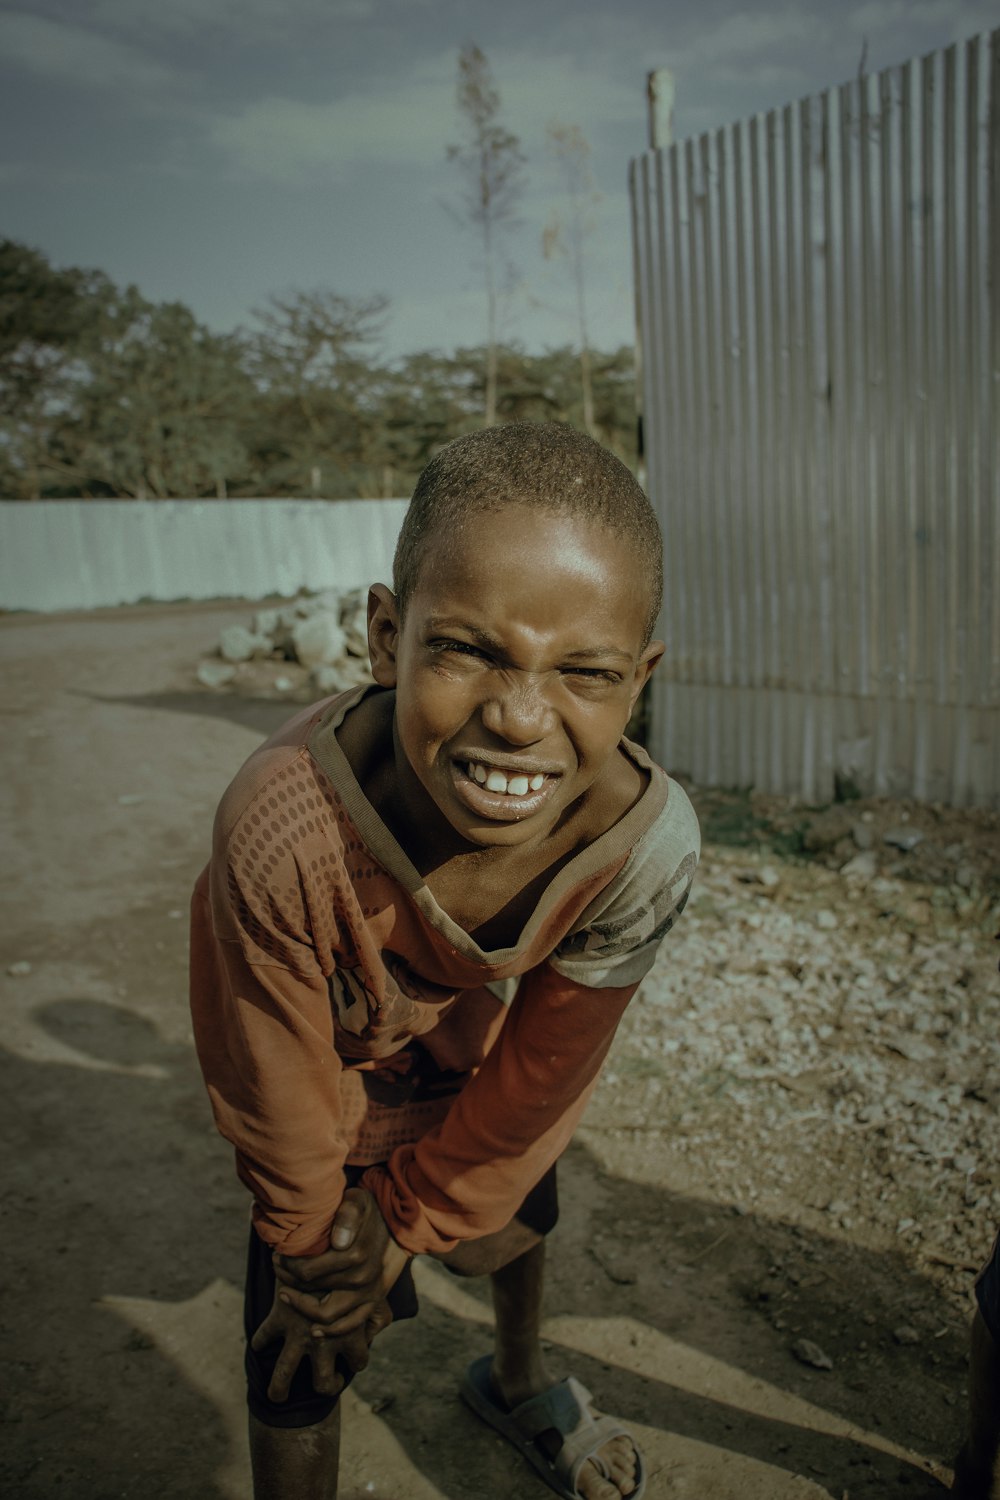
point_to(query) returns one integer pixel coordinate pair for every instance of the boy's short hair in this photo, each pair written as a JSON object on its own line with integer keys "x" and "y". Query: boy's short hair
{"x": 543, "y": 464}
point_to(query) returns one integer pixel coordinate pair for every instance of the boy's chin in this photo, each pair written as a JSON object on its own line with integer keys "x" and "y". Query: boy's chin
{"x": 496, "y": 833}
{"x": 485, "y": 833}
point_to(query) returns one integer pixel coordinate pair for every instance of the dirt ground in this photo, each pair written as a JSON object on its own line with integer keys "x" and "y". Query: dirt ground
{"x": 796, "y": 1137}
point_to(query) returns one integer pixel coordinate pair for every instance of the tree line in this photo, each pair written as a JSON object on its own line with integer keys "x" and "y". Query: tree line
{"x": 104, "y": 393}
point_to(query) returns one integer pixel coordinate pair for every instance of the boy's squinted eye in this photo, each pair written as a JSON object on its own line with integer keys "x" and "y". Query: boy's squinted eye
{"x": 462, "y": 648}
{"x": 591, "y": 676}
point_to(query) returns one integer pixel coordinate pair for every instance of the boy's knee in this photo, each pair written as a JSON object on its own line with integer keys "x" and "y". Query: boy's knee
{"x": 490, "y": 1254}
{"x": 473, "y": 1259}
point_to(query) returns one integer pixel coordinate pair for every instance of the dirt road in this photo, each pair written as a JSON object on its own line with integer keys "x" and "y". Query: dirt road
{"x": 713, "y": 1215}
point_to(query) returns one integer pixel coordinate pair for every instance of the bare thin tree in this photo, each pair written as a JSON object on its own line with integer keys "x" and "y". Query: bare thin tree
{"x": 492, "y": 164}
{"x": 566, "y": 233}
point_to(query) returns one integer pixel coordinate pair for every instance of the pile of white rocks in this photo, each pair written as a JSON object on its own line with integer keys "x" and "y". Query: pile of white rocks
{"x": 319, "y": 642}
{"x": 822, "y": 1048}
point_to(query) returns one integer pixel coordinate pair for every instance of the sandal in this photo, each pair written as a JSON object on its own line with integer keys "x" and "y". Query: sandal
{"x": 566, "y": 1408}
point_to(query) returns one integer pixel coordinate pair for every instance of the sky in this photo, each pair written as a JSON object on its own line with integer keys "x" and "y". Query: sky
{"x": 217, "y": 152}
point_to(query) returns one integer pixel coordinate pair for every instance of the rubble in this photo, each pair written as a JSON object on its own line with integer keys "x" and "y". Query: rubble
{"x": 325, "y": 679}
{"x": 318, "y": 640}
{"x": 215, "y": 674}
{"x": 236, "y": 643}
{"x": 808, "y": 1353}
{"x": 903, "y": 838}
{"x": 824, "y": 1048}
{"x": 305, "y": 648}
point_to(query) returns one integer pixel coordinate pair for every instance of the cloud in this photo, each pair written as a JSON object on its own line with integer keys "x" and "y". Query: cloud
{"x": 68, "y": 53}
{"x": 769, "y": 49}
{"x": 951, "y": 19}
{"x": 536, "y": 89}
{"x": 258, "y": 18}
{"x": 411, "y": 122}
{"x": 456, "y": 316}
{"x": 779, "y": 48}
{"x": 287, "y": 140}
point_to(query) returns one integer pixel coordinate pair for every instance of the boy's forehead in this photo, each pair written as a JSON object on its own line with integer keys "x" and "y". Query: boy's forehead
{"x": 505, "y": 546}
{"x": 533, "y": 566}
{"x": 490, "y": 537}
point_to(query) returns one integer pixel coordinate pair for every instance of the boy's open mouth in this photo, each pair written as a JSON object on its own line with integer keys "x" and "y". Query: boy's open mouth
{"x": 512, "y": 784}
{"x": 502, "y": 794}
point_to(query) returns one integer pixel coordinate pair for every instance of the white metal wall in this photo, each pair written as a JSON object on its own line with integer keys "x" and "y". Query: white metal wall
{"x": 819, "y": 323}
{"x": 83, "y": 554}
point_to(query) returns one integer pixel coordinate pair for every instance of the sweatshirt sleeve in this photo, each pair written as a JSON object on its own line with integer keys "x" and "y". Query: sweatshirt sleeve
{"x": 468, "y": 1176}
{"x": 264, "y": 1033}
{"x": 617, "y": 936}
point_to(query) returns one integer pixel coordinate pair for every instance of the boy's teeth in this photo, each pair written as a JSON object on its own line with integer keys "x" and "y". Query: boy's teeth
{"x": 497, "y": 781}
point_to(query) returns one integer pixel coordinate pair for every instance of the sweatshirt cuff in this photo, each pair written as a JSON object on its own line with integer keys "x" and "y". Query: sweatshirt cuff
{"x": 414, "y": 1234}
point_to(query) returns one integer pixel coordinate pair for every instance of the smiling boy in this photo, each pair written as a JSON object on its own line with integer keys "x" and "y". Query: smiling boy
{"x": 428, "y": 904}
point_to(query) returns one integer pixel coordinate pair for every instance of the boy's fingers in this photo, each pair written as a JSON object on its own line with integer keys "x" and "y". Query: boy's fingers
{"x": 304, "y": 1268}
{"x": 355, "y": 1224}
{"x": 339, "y": 1327}
{"x": 327, "y": 1310}
{"x": 265, "y": 1335}
{"x": 365, "y": 1323}
{"x": 354, "y": 1350}
{"x": 348, "y": 1219}
{"x": 380, "y": 1317}
{"x": 282, "y": 1273}
{"x": 326, "y": 1378}
{"x": 333, "y": 1269}
{"x": 281, "y": 1379}
{"x": 311, "y": 1274}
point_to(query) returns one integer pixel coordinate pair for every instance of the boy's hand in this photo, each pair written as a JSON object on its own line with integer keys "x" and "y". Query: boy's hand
{"x": 355, "y": 1273}
{"x": 298, "y": 1343}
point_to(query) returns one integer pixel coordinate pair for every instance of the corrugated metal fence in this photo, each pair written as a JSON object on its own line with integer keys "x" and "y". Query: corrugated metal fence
{"x": 820, "y": 344}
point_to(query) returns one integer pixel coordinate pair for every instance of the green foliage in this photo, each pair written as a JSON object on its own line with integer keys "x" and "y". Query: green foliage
{"x": 46, "y": 318}
{"x": 105, "y": 393}
{"x": 159, "y": 413}
{"x": 312, "y": 364}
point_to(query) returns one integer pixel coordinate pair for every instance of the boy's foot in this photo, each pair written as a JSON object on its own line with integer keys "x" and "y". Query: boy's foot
{"x": 578, "y": 1452}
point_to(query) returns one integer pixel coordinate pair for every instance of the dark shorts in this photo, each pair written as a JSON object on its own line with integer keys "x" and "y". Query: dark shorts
{"x": 304, "y": 1406}
{"x": 988, "y": 1291}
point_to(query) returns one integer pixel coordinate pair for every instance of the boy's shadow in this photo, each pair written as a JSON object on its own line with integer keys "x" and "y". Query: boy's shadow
{"x": 663, "y": 1305}
{"x": 262, "y": 715}
{"x": 118, "y": 1202}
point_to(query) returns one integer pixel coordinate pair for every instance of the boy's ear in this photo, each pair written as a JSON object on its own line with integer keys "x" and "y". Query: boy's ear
{"x": 644, "y": 669}
{"x": 383, "y": 633}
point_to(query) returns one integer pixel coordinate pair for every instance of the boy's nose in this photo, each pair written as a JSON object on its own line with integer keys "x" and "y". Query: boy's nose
{"x": 519, "y": 711}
